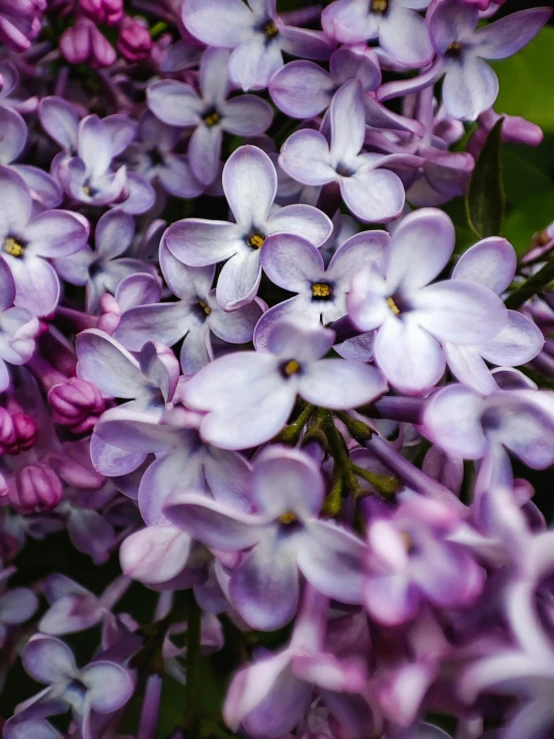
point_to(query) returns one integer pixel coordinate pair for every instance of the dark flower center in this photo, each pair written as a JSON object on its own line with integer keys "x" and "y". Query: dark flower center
{"x": 13, "y": 247}
{"x": 255, "y": 240}
{"x": 322, "y": 291}
{"x": 201, "y": 309}
{"x": 287, "y": 518}
{"x": 90, "y": 191}
{"x": 270, "y": 30}
{"x": 155, "y": 157}
{"x": 454, "y": 51}
{"x": 211, "y": 118}
{"x": 290, "y": 367}
{"x": 379, "y": 6}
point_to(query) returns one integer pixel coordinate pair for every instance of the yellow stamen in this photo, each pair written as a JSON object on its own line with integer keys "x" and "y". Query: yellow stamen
{"x": 271, "y": 30}
{"x": 86, "y": 190}
{"x": 392, "y": 305}
{"x": 379, "y": 6}
{"x": 321, "y": 290}
{"x": 256, "y": 241}
{"x": 287, "y": 518}
{"x": 454, "y": 48}
{"x": 212, "y": 119}
{"x": 291, "y": 367}
{"x": 13, "y": 247}
{"x": 205, "y": 307}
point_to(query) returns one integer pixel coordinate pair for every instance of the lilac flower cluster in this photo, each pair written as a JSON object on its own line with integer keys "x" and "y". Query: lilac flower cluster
{"x": 242, "y": 357}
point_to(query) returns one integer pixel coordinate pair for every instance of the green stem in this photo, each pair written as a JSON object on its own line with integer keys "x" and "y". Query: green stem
{"x": 384, "y": 484}
{"x": 291, "y": 433}
{"x": 193, "y": 687}
{"x": 357, "y": 429}
{"x": 532, "y": 286}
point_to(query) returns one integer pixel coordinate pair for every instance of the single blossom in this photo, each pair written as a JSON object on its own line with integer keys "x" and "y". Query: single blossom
{"x": 194, "y": 317}
{"x": 250, "y": 185}
{"x": 211, "y": 113}
{"x": 372, "y": 193}
{"x": 255, "y": 33}
{"x": 248, "y": 396}
{"x": 412, "y": 317}
{"x": 28, "y": 240}
{"x": 283, "y": 536}
{"x": 401, "y": 31}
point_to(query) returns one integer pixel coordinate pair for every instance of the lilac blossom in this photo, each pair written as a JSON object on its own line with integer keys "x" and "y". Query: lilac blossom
{"x": 492, "y": 263}
{"x": 250, "y": 184}
{"x": 401, "y": 30}
{"x": 248, "y": 396}
{"x": 193, "y": 318}
{"x": 412, "y": 317}
{"x": 17, "y": 605}
{"x": 10, "y": 91}
{"x": 211, "y": 113}
{"x": 303, "y": 89}
{"x": 470, "y": 85}
{"x": 371, "y": 193}
{"x": 103, "y": 269}
{"x": 284, "y": 536}
{"x": 255, "y": 33}
{"x": 28, "y": 240}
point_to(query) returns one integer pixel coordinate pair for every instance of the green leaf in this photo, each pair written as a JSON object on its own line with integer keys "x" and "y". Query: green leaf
{"x": 485, "y": 200}
{"x": 522, "y": 178}
{"x": 529, "y": 216}
{"x": 526, "y": 84}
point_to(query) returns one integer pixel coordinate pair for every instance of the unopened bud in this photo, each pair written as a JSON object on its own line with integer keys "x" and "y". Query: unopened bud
{"x": 134, "y": 42}
{"x": 83, "y": 42}
{"x": 103, "y": 11}
{"x": 76, "y": 404}
{"x": 35, "y": 488}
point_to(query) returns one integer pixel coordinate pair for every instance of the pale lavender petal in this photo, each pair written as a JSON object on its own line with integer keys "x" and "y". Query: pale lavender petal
{"x": 7, "y": 286}
{"x": 450, "y": 22}
{"x": 16, "y": 201}
{"x": 155, "y": 554}
{"x": 405, "y": 37}
{"x": 37, "y": 285}
{"x": 374, "y": 196}
{"x": 228, "y": 478}
{"x": 177, "y": 178}
{"x": 14, "y": 135}
{"x": 141, "y": 195}
{"x": 91, "y": 534}
{"x": 108, "y": 365}
{"x": 236, "y": 327}
{"x": 411, "y": 359}
{"x": 469, "y": 88}
{"x": 239, "y": 280}
{"x": 163, "y": 322}
{"x": 347, "y": 122}
{"x": 250, "y": 184}
{"x": 110, "y": 460}
{"x": 508, "y": 35}
{"x": 17, "y": 606}
{"x": 176, "y": 470}
{"x": 367, "y": 246}
{"x": 204, "y": 20}
{"x": 460, "y": 312}
{"x": 468, "y": 366}
{"x": 302, "y": 89}
{"x": 306, "y": 43}
{"x": 341, "y": 383}
{"x": 200, "y": 242}
{"x": 306, "y": 158}
{"x": 94, "y": 146}
{"x": 291, "y": 262}
{"x": 254, "y": 61}
{"x": 55, "y": 233}
{"x": 136, "y": 431}
{"x": 48, "y": 660}
{"x": 174, "y": 103}
{"x": 391, "y": 599}
{"x": 121, "y": 130}
{"x": 43, "y": 186}
{"x": 491, "y": 262}
{"x": 448, "y": 575}
{"x": 300, "y": 342}
{"x": 204, "y": 152}
{"x": 421, "y": 246}
{"x": 109, "y": 686}
{"x": 264, "y": 587}
{"x": 114, "y": 234}
{"x": 519, "y": 341}
{"x": 60, "y": 120}
{"x": 293, "y": 310}
{"x": 452, "y": 421}
{"x": 349, "y": 22}
{"x": 246, "y": 115}
{"x": 302, "y": 220}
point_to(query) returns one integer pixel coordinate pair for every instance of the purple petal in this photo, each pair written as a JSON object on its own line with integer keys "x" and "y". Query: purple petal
{"x": 196, "y": 350}
{"x": 200, "y": 242}
{"x": 155, "y": 554}
{"x": 448, "y": 575}
{"x": 109, "y": 686}
{"x": 7, "y": 286}
{"x": 264, "y": 587}
{"x": 451, "y": 21}
{"x": 302, "y": 89}
{"x": 451, "y": 420}
{"x": 214, "y": 76}
{"x": 349, "y": 22}
{"x": 306, "y": 43}
{"x": 519, "y": 341}
{"x": 238, "y": 326}
{"x": 43, "y": 186}
{"x": 302, "y": 220}
{"x": 286, "y": 480}
{"x": 204, "y": 152}
{"x": 91, "y": 534}
{"x": 291, "y": 310}
{"x": 306, "y": 158}
{"x": 460, "y": 312}
{"x": 410, "y": 358}
{"x": 303, "y": 343}
{"x": 405, "y": 37}
{"x": 368, "y": 246}
{"x": 141, "y": 195}
{"x": 467, "y": 366}
{"x": 163, "y": 322}
{"x": 254, "y": 61}
{"x": 347, "y": 122}
{"x": 71, "y": 613}
{"x": 114, "y": 234}
{"x": 391, "y": 599}
{"x": 239, "y": 280}
{"x": 37, "y": 285}
{"x": 134, "y": 431}
{"x": 508, "y": 35}
{"x": 331, "y": 559}
{"x": 48, "y": 660}
{"x": 491, "y": 262}
{"x": 291, "y": 262}
{"x": 108, "y": 365}
{"x": 220, "y": 23}
{"x": 341, "y": 383}
{"x": 179, "y": 469}
{"x": 16, "y": 202}
{"x": 174, "y": 103}
{"x": 247, "y": 115}
{"x": 14, "y": 135}
{"x": 228, "y": 478}
{"x": 94, "y": 146}
{"x": 55, "y": 233}
{"x": 159, "y": 366}
{"x": 250, "y": 184}
{"x": 373, "y": 196}
{"x": 421, "y": 246}
{"x": 137, "y": 289}
{"x": 214, "y": 524}
{"x": 121, "y": 131}
{"x": 112, "y": 461}
{"x": 177, "y": 178}
{"x": 469, "y": 88}
{"x": 60, "y": 120}
{"x": 17, "y": 606}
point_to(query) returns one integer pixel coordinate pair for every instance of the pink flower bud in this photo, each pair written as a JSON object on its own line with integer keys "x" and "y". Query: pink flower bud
{"x": 111, "y": 314}
{"x": 103, "y": 11}
{"x": 35, "y": 488}
{"x": 83, "y": 42}
{"x": 7, "y": 431}
{"x": 134, "y": 41}
{"x": 25, "y": 431}
{"x": 76, "y": 404}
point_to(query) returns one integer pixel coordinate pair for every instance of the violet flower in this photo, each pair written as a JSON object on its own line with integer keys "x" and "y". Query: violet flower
{"x": 250, "y": 184}
{"x": 295, "y": 265}
{"x": 255, "y": 33}
{"x": 303, "y": 89}
{"x": 210, "y": 112}
{"x": 28, "y": 241}
{"x": 248, "y": 396}
{"x": 17, "y": 605}
{"x": 372, "y": 194}
{"x": 470, "y": 85}
{"x": 401, "y": 31}
{"x": 155, "y": 159}
{"x": 18, "y": 328}
{"x": 10, "y": 91}
{"x": 193, "y": 318}
{"x": 492, "y": 263}
{"x": 284, "y": 537}
{"x": 411, "y": 316}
